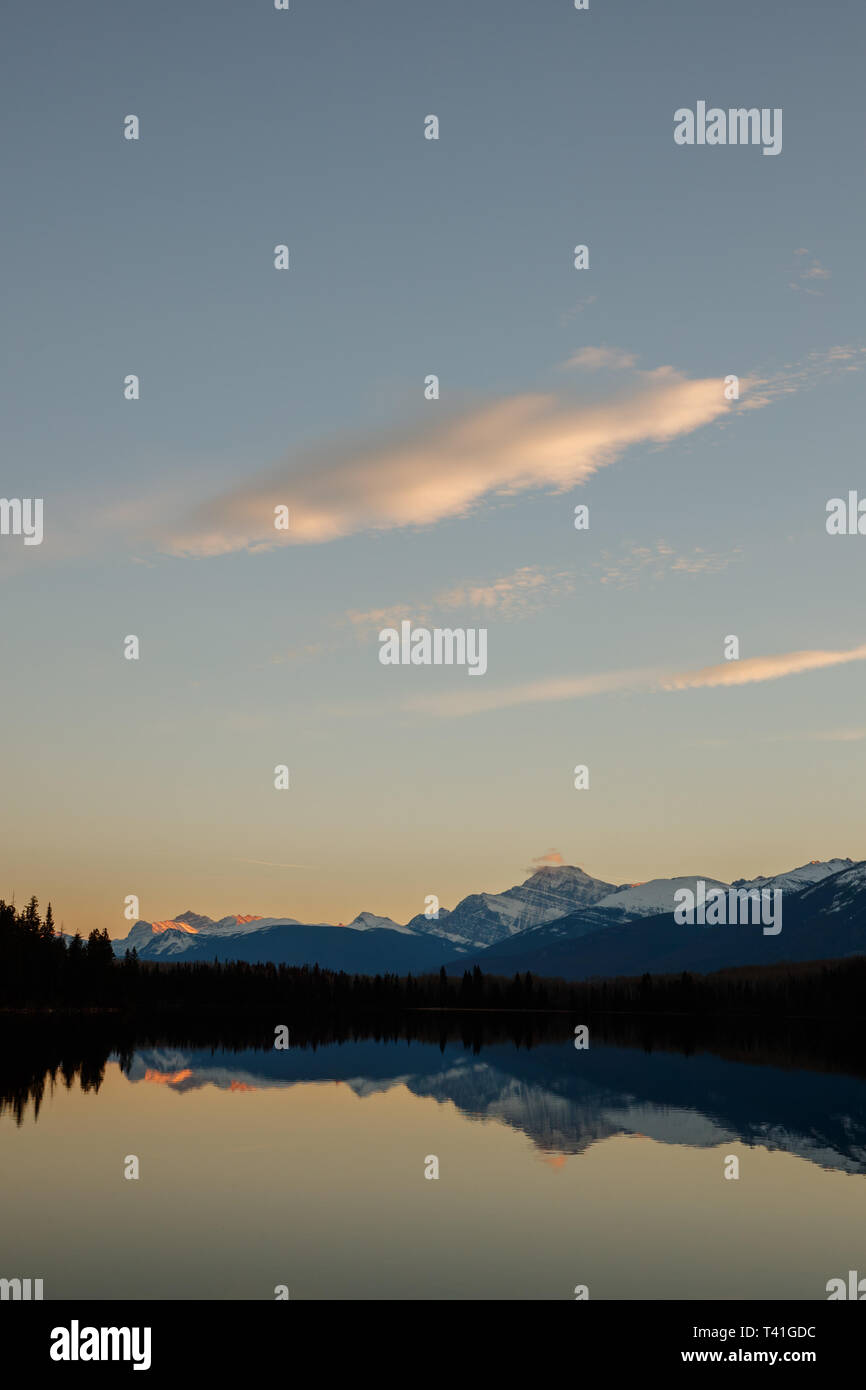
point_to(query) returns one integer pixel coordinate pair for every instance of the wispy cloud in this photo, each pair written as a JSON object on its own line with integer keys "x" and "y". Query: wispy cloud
{"x": 577, "y": 308}
{"x": 813, "y": 271}
{"x": 546, "y": 691}
{"x": 594, "y": 358}
{"x": 552, "y": 857}
{"x": 518, "y": 595}
{"x": 840, "y": 736}
{"x": 635, "y": 564}
{"x": 437, "y": 471}
{"x": 765, "y": 389}
{"x": 795, "y": 736}
{"x": 821, "y": 736}
{"x": 526, "y": 591}
{"x": 761, "y": 668}
{"x": 727, "y": 673}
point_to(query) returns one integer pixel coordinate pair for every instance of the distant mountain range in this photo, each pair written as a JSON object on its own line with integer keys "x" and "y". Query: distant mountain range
{"x": 369, "y": 945}
{"x": 559, "y": 922}
{"x": 824, "y": 918}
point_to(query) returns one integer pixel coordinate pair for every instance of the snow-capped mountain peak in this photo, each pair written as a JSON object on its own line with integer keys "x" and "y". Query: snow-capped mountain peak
{"x": 657, "y": 895}
{"x": 369, "y": 921}
{"x": 795, "y": 879}
{"x": 172, "y": 924}
{"x": 482, "y": 919}
{"x": 561, "y": 900}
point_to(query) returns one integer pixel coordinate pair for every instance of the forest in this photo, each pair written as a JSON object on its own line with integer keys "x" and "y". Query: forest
{"x": 39, "y": 970}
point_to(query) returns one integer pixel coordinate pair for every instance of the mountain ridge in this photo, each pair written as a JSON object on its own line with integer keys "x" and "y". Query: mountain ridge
{"x": 533, "y": 925}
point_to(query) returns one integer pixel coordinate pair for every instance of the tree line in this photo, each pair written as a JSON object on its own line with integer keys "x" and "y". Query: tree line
{"x": 39, "y": 969}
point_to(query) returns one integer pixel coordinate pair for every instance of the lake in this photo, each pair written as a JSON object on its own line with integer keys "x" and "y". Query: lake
{"x": 305, "y": 1167}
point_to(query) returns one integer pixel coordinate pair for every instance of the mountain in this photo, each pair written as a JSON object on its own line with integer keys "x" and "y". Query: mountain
{"x": 423, "y": 944}
{"x": 483, "y": 919}
{"x": 796, "y": 879}
{"x": 177, "y": 935}
{"x": 368, "y": 921}
{"x": 370, "y": 945}
{"x": 561, "y": 919}
{"x": 646, "y": 899}
{"x": 824, "y": 920}
{"x": 629, "y": 903}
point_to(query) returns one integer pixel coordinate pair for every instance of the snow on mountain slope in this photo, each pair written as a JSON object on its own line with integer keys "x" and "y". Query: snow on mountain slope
{"x": 843, "y": 894}
{"x": 484, "y": 918}
{"x": 795, "y": 879}
{"x": 560, "y": 900}
{"x": 656, "y": 895}
{"x": 190, "y": 935}
{"x": 368, "y": 921}
{"x": 176, "y": 935}
{"x": 169, "y": 938}
{"x": 823, "y": 921}
{"x": 236, "y": 923}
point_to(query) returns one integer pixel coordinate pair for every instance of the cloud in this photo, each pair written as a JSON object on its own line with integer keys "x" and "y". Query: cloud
{"x": 821, "y": 736}
{"x": 803, "y": 375}
{"x": 641, "y": 562}
{"x": 373, "y": 619}
{"x": 595, "y": 357}
{"x": 578, "y": 308}
{"x": 727, "y": 673}
{"x": 460, "y": 702}
{"x": 437, "y": 471}
{"x": 516, "y": 595}
{"x": 799, "y": 736}
{"x": 840, "y": 736}
{"x": 531, "y": 588}
{"x": 816, "y": 271}
{"x": 841, "y": 353}
{"x": 552, "y": 856}
{"x": 761, "y": 668}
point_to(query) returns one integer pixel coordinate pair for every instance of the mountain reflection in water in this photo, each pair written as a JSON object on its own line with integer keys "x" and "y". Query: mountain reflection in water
{"x": 526, "y": 1074}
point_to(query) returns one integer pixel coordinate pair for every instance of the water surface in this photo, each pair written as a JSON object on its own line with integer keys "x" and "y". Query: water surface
{"x": 557, "y": 1167}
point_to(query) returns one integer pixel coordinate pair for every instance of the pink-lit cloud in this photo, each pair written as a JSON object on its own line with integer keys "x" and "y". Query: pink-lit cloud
{"x": 437, "y": 471}
{"x": 551, "y": 858}
{"x": 748, "y": 671}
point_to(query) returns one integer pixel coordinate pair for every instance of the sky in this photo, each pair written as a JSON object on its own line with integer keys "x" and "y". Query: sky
{"x": 304, "y": 387}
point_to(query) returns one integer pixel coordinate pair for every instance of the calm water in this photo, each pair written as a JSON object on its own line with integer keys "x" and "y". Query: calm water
{"x": 557, "y": 1167}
